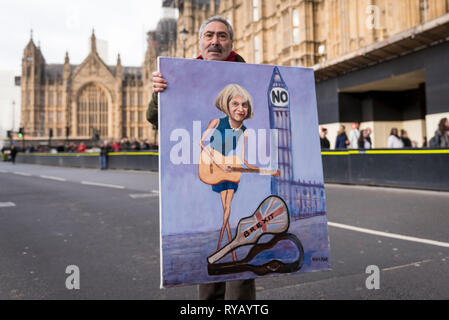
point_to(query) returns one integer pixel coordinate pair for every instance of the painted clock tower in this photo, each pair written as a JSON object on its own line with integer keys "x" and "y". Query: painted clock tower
{"x": 279, "y": 106}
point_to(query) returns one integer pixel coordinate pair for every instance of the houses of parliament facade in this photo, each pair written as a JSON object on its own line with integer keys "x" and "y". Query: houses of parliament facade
{"x": 304, "y": 32}
{"x": 75, "y": 102}
{"x": 381, "y": 63}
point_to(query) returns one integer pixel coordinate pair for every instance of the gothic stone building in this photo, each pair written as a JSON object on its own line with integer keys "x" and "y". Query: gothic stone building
{"x": 384, "y": 63}
{"x": 74, "y": 100}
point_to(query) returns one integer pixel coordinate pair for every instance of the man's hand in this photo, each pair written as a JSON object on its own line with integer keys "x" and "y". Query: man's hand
{"x": 159, "y": 83}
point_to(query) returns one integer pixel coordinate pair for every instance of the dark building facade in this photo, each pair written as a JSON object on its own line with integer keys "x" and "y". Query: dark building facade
{"x": 401, "y": 82}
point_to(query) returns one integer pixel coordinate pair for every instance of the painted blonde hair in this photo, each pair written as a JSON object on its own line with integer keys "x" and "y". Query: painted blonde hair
{"x": 228, "y": 93}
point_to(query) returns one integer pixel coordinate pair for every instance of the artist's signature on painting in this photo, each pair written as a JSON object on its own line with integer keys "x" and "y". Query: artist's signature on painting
{"x": 318, "y": 259}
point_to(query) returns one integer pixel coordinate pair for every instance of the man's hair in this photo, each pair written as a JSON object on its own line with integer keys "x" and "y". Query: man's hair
{"x": 228, "y": 93}
{"x": 219, "y": 19}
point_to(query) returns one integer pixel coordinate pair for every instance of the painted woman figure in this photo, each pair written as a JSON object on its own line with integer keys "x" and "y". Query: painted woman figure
{"x": 236, "y": 103}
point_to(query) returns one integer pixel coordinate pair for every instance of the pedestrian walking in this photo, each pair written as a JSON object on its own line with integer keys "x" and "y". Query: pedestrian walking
{"x": 440, "y": 139}
{"x": 116, "y": 146}
{"x": 125, "y": 145}
{"x": 81, "y": 147}
{"x": 325, "y": 144}
{"x": 405, "y": 139}
{"x": 135, "y": 144}
{"x": 342, "y": 141}
{"x": 394, "y": 142}
{"x": 364, "y": 141}
{"x": 13, "y": 154}
{"x": 354, "y": 136}
{"x": 104, "y": 150}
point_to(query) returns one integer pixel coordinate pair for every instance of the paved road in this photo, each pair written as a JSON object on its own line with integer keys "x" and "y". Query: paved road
{"x": 107, "y": 223}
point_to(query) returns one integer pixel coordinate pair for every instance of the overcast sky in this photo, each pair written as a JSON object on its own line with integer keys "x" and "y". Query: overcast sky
{"x": 67, "y": 25}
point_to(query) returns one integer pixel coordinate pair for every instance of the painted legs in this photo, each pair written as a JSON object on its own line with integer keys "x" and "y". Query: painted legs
{"x": 226, "y": 199}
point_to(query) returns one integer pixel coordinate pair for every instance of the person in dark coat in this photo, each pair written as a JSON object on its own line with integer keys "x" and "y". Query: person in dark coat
{"x": 405, "y": 139}
{"x": 104, "y": 150}
{"x": 342, "y": 141}
{"x": 13, "y": 154}
{"x": 325, "y": 144}
{"x": 215, "y": 43}
{"x": 125, "y": 145}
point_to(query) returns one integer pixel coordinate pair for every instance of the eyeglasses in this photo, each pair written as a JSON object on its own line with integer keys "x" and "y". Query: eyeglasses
{"x": 222, "y": 36}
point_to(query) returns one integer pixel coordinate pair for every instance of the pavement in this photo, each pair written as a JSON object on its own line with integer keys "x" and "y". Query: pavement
{"x": 107, "y": 224}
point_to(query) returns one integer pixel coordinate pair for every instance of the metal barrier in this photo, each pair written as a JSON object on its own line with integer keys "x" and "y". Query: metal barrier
{"x": 406, "y": 168}
{"x": 116, "y": 160}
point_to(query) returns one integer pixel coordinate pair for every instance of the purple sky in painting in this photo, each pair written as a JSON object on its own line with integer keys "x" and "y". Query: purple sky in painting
{"x": 188, "y": 205}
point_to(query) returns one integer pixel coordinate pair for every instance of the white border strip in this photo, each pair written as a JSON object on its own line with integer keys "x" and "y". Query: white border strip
{"x": 388, "y": 189}
{"x": 389, "y": 235}
{"x": 53, "y": 178}
{"x": 7, "y": 204}
{"x": 98, "y": 184}
{"x": 143, "y": 195}
{"x": 25, "y": 174}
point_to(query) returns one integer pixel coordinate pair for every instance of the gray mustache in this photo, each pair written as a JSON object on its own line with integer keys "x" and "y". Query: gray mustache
{"x": 215, "y": 49}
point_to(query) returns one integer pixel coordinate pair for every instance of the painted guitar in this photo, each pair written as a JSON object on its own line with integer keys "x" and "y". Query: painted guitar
{"x": 210, "y": 173}
{"x": 271, "y": 217}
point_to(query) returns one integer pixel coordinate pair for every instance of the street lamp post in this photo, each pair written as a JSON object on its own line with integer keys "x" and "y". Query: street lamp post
{"x": 183, "y": 33}
{"x": 13, "y": 114}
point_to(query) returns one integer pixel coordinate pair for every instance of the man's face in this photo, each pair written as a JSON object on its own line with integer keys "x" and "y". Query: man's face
{"x": 215, "y": 42}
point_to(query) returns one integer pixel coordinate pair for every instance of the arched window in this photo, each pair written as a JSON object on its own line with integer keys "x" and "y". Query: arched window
{"x": 92, "y": 112}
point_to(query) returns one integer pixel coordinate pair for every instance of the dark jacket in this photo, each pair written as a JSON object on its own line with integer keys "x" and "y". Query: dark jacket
{"x": 341, "y": 141}
{"x": 13, "y": 152}
{"x": 407, "y": 142}
{"x": 104, "y": 150}
{"x": 325, "y": 144}
{"x": 152, "y": 111}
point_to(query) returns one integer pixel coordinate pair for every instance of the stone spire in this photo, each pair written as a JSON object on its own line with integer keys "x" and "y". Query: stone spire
{"x": 93, "y": 42}
{"x": 119, "y": 61}
{"x": 66, "y": 66}
{"x": 119, "y": 68}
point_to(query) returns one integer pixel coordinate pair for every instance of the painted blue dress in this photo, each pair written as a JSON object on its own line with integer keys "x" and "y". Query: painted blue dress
{"x": 225, "y": 145}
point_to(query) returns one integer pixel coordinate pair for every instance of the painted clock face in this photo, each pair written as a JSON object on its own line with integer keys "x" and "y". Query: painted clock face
{"x": 279, "y": 97}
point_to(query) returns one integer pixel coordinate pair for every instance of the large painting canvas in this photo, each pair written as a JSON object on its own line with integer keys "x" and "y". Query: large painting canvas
{"x": 241, "y": 180}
